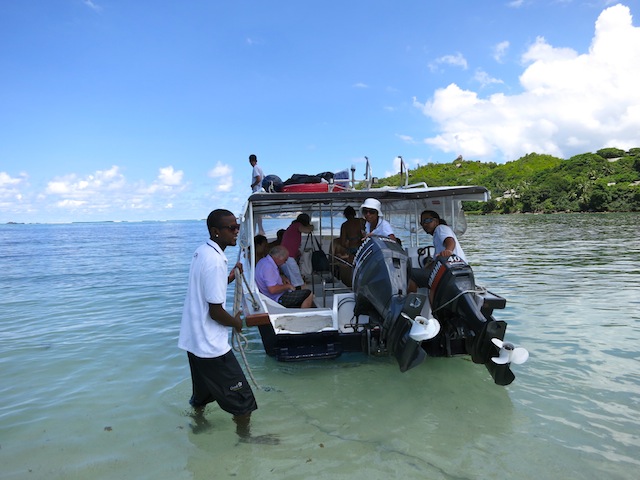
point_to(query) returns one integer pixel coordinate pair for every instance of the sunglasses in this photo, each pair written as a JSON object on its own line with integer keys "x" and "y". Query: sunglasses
{"x": 232, "y": 228}
{"x": 366, "y": 211}
{"x": 427, "y": 221}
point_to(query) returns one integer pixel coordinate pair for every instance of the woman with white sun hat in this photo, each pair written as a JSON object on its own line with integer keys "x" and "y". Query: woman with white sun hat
{"x": 376, "y": 225}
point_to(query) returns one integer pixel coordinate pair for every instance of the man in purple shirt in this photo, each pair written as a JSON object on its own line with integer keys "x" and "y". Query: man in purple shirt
{"x": 271, "y": 283}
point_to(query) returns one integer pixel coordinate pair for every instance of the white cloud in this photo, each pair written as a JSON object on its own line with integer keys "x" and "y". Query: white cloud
{"x": 456, "y": 60}
{"x": 220, "y": 170}
{"x": 6, "y": 180}
{"x": 571, "y": 102}
{"x": 70, "y": 203}
{"x": 360, "y": 85}
{"x": 10, "y": 186}
{"x": 169, "y": 176}
{"x": 500, "y": 50}
{"x": 12, "y": 192}
{"x": 484, "y": 79}
{"x": 223, "y": 174}
{"x": 108, "y": 192}
{"x": 94, "y": 184}
{"x": 92, "y": 5}
{"x": 406, "y": 138}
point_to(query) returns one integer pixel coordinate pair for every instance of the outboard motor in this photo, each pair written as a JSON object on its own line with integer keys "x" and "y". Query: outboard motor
{"x": 380, "y": 276}
{"x": 380, "y": 280}
{"x": 465, "y": 312}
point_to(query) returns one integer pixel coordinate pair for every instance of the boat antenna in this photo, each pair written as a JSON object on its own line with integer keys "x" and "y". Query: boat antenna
{"x": 404, "y": 171}
{"x": 353, "y": 177}
{"x": 367, "y": 173}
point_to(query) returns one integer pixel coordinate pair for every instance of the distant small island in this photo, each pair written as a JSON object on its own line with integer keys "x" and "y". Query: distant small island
{"x": 605, "y": 181}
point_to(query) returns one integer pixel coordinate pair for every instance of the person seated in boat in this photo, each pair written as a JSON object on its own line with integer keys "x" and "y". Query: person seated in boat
{"x": 291, "y": 240}
{"x": 271, "y": 283}
{"x": 445, "y": 243}
{"x": 376, "y": 225}
{"x": 337, "y": 250}
{"x": 278, "y": 239}
{"x": 261, "y": 245}
{"x": 351, "y": 231}
{"x": 343, "y": 263}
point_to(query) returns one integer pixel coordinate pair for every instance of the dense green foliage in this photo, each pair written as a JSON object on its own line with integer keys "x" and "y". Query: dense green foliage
{"x": 606, "y": 181}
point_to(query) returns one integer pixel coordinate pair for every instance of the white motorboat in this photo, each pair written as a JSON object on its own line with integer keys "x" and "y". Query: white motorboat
{"x": 363, "y": 303}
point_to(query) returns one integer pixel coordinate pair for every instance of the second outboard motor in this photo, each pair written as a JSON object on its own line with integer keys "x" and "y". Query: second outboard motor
{"x": 457, "y": 303}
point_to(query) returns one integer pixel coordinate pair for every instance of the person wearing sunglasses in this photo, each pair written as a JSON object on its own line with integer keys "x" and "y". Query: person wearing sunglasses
{"x": 445, "y": 242}
{"x": 216, "y": 375}
{"x": 376, "y": 225}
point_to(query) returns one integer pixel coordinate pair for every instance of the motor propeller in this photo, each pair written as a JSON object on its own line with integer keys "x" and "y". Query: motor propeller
{"x": 422, "y": 328}
{"x": 509, "y": 353}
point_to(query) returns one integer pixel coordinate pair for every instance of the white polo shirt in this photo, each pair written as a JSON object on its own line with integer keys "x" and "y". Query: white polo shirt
{"x": 383, "y": 228}
{"x": 440, "y": 234}
{"x": 199, "y": 333}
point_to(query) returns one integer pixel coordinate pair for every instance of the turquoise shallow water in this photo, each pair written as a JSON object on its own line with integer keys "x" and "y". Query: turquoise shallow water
{"x": 94, "y": 387}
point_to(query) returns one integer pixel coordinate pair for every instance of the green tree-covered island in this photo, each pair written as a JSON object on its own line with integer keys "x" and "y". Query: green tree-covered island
{"x": 605, "y": 181}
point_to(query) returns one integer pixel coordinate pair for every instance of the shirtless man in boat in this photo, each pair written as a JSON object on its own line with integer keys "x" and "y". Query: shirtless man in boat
{"x": 351, "y": 231}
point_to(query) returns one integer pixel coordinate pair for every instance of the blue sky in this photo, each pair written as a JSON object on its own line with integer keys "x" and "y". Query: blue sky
{"x": 148, "y": 110}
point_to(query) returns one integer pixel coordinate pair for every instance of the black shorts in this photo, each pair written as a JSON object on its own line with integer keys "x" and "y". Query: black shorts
{"x": 221, "y": 380}
{"x": 293, "y": 299}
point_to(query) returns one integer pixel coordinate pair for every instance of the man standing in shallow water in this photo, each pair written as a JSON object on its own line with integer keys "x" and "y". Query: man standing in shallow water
{"x": 216, "y": 375}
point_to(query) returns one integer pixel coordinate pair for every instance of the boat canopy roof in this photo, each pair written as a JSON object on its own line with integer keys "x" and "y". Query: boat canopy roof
{"x": 400, "y": 205}
{"x": 393, "y": 199}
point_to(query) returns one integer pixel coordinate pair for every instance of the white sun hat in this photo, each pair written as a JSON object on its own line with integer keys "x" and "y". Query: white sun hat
{"x": 373, "y": 204}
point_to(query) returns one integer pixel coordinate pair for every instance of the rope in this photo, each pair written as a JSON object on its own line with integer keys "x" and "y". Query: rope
{"x": 254, "y": 302}
{"x": 476, "y": 290}
{"x": 238, "y": 341}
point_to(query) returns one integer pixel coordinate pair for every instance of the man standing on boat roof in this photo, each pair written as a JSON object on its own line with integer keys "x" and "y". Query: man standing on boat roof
{"x": 216, "y": 375}
{"x": 291, "y": 240}
{"x": 371, "y": 211}
{"x": 257, "y": 175}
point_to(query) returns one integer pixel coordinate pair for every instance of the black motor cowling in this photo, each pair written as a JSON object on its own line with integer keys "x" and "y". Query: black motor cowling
{"x": 380, "y": 278}
{"x": 461, "y": 306}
